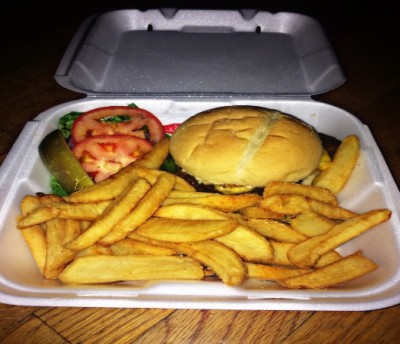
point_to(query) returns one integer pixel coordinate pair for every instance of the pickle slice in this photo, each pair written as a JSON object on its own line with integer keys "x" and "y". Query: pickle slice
{"x": 62, "y": 164}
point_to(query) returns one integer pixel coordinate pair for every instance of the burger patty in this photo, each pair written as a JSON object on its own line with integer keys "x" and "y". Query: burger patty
{"x": 329, "y": 143}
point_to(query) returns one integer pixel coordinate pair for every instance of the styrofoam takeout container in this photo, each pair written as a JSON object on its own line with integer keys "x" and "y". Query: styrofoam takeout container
{"x": 175, "y": 64}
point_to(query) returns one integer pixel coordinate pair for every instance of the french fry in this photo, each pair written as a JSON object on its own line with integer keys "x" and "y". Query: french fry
{"x": 154, "y": 158}
{"x": 114, "y": 185}
{"x": 225, "y": 203}
{"x": 62, "y": 210}
{"x": 224, "y": 261}
{"x": 58, "y": 233}
{"x": 336, "y": 176}
{"x": 115, "y": 213}
{"x": 350, "y": 229}
{"x": 36, "y": 240}
{"x": 182, "y": 185}
{"x": 168, "y": 244}
{"x": 185, "y": 230}
{"x": 107, "y": 269}
{"x": 272, "y": 273}
{"x": 313, "y": 192}
{"x": 331, "y": 212}
{"x": 285, "y": 204}
{"x": 31, "y": 202}
{"x": 151, "y": 176}
{"x": 344, "y": 270}
{"x": 296, "y": 204}
{"x": 276, "y": 230}
{"x": 105, "y": 190}
{"x": 256, "y": 212}
{"x": 306, "y": 253}
{"x": 37, "y": 216}
{"x": 34, "y": 236}
{"x": 189, "y": 212}
{"x": 325, "y": 161}
{"x": 280, "y": 250}
{"x": 310, "y": 223}
{"x": 85, "y": 224}
{"x": 129, "y": 247}
{"x": 187, "y": 194}
{"x": 95, "y": 250}
{"x": 145, "y": 208}
{"x": 248, "y": 244}
{"x": 328, "y": 258}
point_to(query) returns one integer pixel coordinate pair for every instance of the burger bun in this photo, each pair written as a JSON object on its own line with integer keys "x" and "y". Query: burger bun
{"x": 246, "y": 146}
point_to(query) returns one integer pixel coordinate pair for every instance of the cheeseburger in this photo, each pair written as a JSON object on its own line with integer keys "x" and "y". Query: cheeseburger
{"x": 239, "y": 148}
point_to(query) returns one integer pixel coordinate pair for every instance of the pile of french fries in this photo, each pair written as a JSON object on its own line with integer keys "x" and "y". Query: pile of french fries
{"x": 146, "y": 224}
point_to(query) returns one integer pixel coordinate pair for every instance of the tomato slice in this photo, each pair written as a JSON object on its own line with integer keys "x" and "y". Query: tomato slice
{"x": 170, "y": 128}
{"x": 134, "y": 121}
{"x": 103, "y": 155}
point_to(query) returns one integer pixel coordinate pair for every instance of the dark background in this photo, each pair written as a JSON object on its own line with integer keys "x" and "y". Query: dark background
{"x": 33, "y": 32}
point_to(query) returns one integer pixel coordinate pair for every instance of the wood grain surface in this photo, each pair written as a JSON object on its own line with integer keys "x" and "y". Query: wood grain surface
{"x": 366, "y": 39}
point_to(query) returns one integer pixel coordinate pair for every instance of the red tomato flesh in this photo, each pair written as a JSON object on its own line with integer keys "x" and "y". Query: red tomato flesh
{"x": 139, "y": 123}
{"x": 103, "y": 155}
{"x": 170, "y": 128}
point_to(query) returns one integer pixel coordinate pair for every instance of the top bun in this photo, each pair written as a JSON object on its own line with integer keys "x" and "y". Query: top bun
{"x": 245, "y": 145}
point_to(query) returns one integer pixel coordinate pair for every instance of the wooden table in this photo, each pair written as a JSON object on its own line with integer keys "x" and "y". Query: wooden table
{"x": 366, "y": 41}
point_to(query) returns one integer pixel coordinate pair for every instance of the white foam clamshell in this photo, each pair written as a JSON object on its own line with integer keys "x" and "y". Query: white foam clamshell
{"x": 371, "y": 186}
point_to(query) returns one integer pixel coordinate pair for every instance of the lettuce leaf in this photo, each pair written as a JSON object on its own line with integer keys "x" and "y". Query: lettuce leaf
{"x": 65, "y": 123}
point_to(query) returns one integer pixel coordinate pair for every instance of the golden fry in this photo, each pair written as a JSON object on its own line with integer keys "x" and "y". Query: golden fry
{"x": 306, "y": 253}
{"x": 185, "y": 230}
{"x": 329, "y": 211}
{"x": 280, "y": 250}
{"x": 328, "y": 258}
{"x": 116, "y": 212}
{"x": 272, "y": 273}
{"x": 145, "y": 208}
{"x": 350, "y": 229}
{"x": 226, "y": 203}
{"x": 154, "y": 158}
{"x": 129, "y": 247}
{"x": 325, "y": 161}
{"x": 58, "y": 233}
{"x": 107, "y": 269}
{"x": 224, "y": 261}
{"x": 344, "y": 270}
{"x": 296, "y": 204}
{"x": 310, "y": 223}
{"x": 30, "y": 202}
{"x": 188, "y": 194}
{"x": 248, "y": 244}
{"x": 313, "y": 192}
{"x": 95, "y": 250}
{"x": 285, "y": 204}
{"x": 336, "y": 176}
{"x": 189, "y": 212}
{"x": 276, "y": 230}
{"x": 36, "y": 240}
{"x": 34, "y": 236}
{"x": 256, "y": 212}
{"x": 151, "y": 176}
{"x": 61, "y": 210}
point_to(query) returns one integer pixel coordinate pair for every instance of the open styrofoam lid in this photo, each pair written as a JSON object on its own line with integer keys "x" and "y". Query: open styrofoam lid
{"x": 199, "y": 52}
